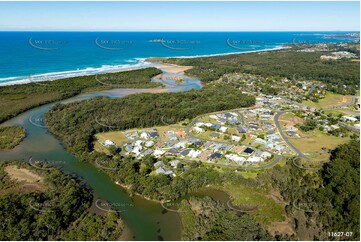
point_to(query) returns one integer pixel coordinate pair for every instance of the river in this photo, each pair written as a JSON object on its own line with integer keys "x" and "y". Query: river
{"x": 146, "y": 220}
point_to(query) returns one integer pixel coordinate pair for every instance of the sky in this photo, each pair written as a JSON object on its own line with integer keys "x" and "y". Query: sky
{"x": 180, "y": 16}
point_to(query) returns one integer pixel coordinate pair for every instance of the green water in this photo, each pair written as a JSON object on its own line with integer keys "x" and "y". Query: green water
{"x": 146, "y": 220}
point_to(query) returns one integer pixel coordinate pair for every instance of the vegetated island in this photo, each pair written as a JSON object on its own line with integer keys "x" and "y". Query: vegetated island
{"x": 11, "y": 136}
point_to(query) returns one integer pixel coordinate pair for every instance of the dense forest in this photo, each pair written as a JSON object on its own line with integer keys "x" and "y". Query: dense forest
{"x": 140, "y": 110}
{"x": 282, "y": 63}
{"x": 11, "y": 136}
{"x": 52, "y": 214}
{"x": 206, "y": 219}
{"x": 323, "y": 201}
{"x": 19, "y": 98}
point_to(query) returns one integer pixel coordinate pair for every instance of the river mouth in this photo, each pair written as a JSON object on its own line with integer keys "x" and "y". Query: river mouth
{"x": 145, "y": 220}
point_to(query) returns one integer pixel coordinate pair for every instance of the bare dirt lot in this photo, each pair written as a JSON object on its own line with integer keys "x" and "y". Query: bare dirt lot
{"x": 22, "y": 174}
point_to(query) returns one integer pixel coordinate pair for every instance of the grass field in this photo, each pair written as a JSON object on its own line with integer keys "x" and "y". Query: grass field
{"x": 343, "y": 111}
{"x": 330, "y": 100}
{"x": 315, "y": 141}
{"x": 22, "y": 181}
{"x": 265, "y": 210}
{"x": 116, "y": 136}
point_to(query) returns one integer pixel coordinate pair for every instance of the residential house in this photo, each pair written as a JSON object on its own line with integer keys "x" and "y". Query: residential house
{"x": 107, "y": 143}
{"x": 248, "y": 150}
{"x": 215, "y": 156}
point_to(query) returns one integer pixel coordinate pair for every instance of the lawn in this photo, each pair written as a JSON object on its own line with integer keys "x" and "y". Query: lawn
{"x": 116, "y": 136}
{"x": 163, "y": 131}
{"x": 343, "y": 111}
{"x": 315, "y": 140}
{"x": 331, "y": 100}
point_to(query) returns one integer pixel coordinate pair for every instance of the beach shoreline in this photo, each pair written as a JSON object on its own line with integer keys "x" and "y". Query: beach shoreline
{"x": 143, "y": 63}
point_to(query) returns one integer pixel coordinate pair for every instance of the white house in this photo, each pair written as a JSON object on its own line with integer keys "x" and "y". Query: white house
{"x": 158, "y": 152}
{"x": 265, "y": 154}
{"x": 254, "y": 159}
{"x": 144, "y": 135}
{"x": 138, "y": 142}
{"x": 149, "y": 143}
{"x": 194, "y": 153}
{"x": 198, "y": 130}
{"x": 108, "y": 143}
{"x": 260, "y": 141}
{"x": 235, "y": 138}
{"x": 199, "y": 124}
{"x": 348, "y": 118}
{"x": 137, "y": 150}
{"x": 223, "y": 129}
{"x": 180, "y": 144}
{"x": 236, "y": 158}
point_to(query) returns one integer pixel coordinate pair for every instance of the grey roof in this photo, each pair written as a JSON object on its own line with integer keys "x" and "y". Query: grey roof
{"x": 173, "y": 151}
{"x": 185, "y": 152}
{"x": 241, "y": 129}
{"x": 196, "y": 142}
{"x": 258, "y": 152}
{"x": 215, "y": 155}
{"x": 214, "y": 134}
{"x": 158, "y": 164}
{"x": 170, "y": 143}
{"x": 153, "y": 134}
{"x": 160, "y": 170}
{"x": 174, "y": 163}
{"x": 128, "y": 148}
{"x": 147, "y": 152}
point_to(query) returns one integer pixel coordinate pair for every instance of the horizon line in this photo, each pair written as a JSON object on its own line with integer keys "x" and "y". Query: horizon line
{"x": 184, "y": 31}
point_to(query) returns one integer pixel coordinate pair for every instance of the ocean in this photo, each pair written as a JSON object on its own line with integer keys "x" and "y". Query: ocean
{"x": 39, "y": 56}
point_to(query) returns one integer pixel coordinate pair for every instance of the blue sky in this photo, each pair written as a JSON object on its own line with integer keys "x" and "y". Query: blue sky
{"x": 180, "y": 16}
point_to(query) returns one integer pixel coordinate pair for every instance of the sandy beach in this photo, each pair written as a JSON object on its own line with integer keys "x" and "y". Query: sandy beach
{"x": 172, "y": 68}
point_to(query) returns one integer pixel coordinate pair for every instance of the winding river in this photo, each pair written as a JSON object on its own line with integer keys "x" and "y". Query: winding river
{"x": 145, "y": 220}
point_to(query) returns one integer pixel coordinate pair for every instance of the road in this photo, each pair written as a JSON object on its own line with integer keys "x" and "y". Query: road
{"x": 284, "y": 137}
